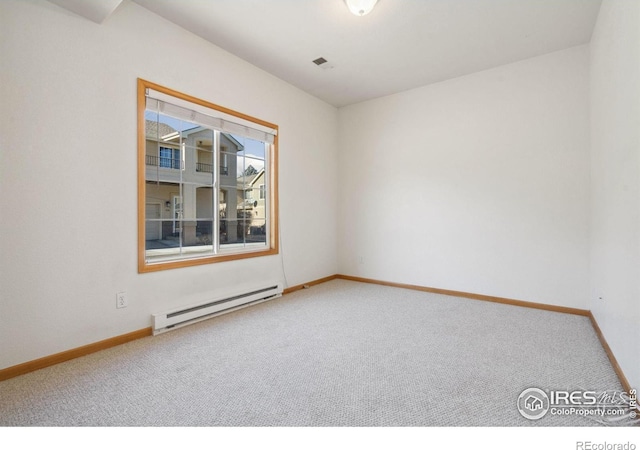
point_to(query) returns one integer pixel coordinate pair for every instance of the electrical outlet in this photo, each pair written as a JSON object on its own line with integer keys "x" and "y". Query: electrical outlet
{"x": 121, "y": 300}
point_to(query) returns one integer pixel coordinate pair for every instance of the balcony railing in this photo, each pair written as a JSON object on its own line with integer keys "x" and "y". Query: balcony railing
{"x": 202, "y": 167}
{"x": 170, "y": 163}
{"x": 208, "y": 168}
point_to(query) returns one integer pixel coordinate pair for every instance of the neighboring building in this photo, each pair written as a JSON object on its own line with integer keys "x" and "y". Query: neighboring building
{"x": 251, "y": 200}
{"x": 179, "y": 186}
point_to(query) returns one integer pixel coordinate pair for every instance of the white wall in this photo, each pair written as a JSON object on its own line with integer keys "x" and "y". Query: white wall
{"x": 68, "y": 229}
{"x": 615, "y": 180}
{"x": 477, "y": 184}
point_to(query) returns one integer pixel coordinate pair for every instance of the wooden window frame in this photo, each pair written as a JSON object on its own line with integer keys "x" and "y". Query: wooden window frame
{"x": 272, "y": 247}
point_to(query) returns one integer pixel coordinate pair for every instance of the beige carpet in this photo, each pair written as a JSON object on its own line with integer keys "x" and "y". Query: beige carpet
{"x": 339, "y": 354}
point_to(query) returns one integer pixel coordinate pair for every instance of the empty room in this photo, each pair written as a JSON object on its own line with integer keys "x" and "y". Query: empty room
{"x": 320, "y": 213}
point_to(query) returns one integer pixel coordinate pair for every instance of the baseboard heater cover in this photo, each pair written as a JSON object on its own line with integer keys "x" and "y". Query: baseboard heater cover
{"x": 173, "y": 319}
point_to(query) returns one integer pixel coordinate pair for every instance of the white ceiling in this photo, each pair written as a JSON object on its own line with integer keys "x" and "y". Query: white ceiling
{"x": 92, "y": 10}
{"x": 401, "y": 45}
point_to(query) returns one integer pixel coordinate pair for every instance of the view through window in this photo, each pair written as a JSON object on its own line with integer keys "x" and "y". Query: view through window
{"x": 208, "y": 187}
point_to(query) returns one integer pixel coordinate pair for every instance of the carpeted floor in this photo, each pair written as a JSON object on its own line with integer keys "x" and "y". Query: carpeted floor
{"x": 339, "y": 354}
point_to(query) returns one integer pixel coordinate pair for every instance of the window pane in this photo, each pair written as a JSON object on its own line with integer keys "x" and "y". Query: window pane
{"x": 169, "y": 157}
{"x": 199, "y": 155}
{"x": 251, "y": 148}
{"x": 163, "y": 211}
{"x": 189, "y": 234}
{"x": 165, "y": 244}
{"x": 257, "y": 231}
{"x": 229, "y": 232}
{"x": 204, "y": 189}
{"x": 204, "y": 234}
{"x": 204, "y": 203}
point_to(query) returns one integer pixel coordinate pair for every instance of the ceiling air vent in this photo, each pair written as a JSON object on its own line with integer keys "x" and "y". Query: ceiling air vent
{"x": 322, "y": 63}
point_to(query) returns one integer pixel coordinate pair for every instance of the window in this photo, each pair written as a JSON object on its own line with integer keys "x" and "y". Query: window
{"x": 198, "y": 167}
{"x": 224, "y": 164}
{"x": 169, "y": 157}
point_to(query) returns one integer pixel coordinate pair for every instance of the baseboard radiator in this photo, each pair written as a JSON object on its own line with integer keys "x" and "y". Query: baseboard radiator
{"x": 171, "y": 320}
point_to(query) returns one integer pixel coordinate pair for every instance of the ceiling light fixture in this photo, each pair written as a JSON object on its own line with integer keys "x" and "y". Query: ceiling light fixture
{"x": 360, "y": 7}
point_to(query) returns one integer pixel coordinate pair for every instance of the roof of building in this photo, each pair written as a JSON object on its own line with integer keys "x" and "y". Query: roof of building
{"x": 155, "y": 130}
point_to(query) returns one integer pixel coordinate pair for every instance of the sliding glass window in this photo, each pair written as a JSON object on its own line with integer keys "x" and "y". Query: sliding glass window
{"x": 207, "y": 182}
